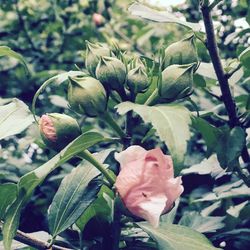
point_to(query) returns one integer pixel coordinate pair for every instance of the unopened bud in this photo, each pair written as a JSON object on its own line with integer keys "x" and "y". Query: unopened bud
{"x": 58, "y": 130}
{"x": 98, "y": 19}
{"x": 86, "y": 95}
{"x": 93, "y": 54}
{"x": 111, "y": 72}
{"x": 177, "y": 82}
{"x": 138, "y": 81}
{"x": 182, "y": 52}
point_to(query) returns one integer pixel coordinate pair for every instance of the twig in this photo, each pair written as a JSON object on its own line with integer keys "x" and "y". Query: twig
{"x": 230, "y": 73}
{"x": 213, "y": 95}
{"x": 214, "y": 3}
{"x": 222, "y": 77}
{"x": 33, "y": 242}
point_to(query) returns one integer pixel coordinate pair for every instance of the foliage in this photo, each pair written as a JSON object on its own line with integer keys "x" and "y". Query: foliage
{"x": 68, "y": 196}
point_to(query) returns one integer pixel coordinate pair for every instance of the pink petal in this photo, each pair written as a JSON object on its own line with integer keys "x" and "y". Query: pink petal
{"x": 129, "y": 177}
{"x": 152, "y": 209}
{"x": 173, "y": 190}
{"x": 131, "y": 154}
{"x": 47, "y": 128}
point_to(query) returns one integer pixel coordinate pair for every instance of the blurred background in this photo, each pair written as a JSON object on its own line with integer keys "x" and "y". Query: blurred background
{"x": 51, "y": 34}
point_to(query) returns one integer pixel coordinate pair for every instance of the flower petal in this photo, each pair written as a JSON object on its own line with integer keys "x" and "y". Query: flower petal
{"x": 131, "y": 154}
{"x": 173, "y": 191}
{"x": 152, "y": 209}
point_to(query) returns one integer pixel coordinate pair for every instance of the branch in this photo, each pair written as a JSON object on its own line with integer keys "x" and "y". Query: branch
{"x": 222, "y": 77}
{"x": 214, "y": 54}
{"x": 214, "y": 3}
{"x": 230, "y": 73}
{"x": 33, "y": 242}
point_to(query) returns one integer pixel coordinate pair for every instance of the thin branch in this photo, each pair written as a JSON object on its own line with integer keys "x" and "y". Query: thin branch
{"x": 214, "y": 54}
{"x": 213, "y": 95}
{"x": 222, "y": 77}
{"x": 33, "y": 242}
{"x": 214, "y": 3}
{"x": 230, "y": 73}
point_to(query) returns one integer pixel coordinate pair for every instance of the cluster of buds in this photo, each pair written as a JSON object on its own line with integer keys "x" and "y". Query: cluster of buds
{"x": 180, "y": 62}
{"x": 88, "y": 94}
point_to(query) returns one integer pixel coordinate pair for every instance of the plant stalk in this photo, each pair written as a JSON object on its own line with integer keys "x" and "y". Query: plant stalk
{"x": 106, "y": 117}
{"x": 222, "y": 77}
{"x": 90, "y": 158}
{"x": 152, "y": 98}
{"x": 34, "y": 242}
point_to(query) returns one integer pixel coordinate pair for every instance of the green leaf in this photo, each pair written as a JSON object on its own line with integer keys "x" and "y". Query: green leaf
{"x": 143, "y": 11}
{"x": 237, "y": 192}
{"x": 74, "y": 195}
{"x": 199, "y": 81}
{"x": 201, "y": 224}
{"x": 206, "y": 70}
{"x": 171, "y": 123}
{"x": 235, "y": 210}
{"x": 170, "y": 216}
{"x": 30, "y": 181}
{"x": 8, "y": 192}
{"x": 207, "y": 166}
{"x": 148, "y": 135}
{"x": 209, "y": 133}
{"x": 176, "y": 237}
{"x": 101, "y": 208}
{"x": 230, "y": 145}
{"x": 6, "y": 51}
{"x": 244, "y": 57}
{"x": 14, "y": 118}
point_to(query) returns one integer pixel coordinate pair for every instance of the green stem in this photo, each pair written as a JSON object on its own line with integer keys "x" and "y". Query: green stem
{"x": 112, "y": 123}
{"x": 116, "y": 227}
{"x": 90, "y": 158}
{"x": 152, "y": 98}
{"x": 194, "y": 105}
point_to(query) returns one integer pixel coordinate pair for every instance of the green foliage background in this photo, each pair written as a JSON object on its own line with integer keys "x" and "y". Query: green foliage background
{"x": 51, "y": 36}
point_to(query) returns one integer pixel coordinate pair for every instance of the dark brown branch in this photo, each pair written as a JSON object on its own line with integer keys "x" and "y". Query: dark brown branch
{"x": 222, "y": 77}
{"x": 223, "y": 81}
{"x": 33, "y": 242}
{"x": 230, "y": 73}
{"x": 213, "y": 95}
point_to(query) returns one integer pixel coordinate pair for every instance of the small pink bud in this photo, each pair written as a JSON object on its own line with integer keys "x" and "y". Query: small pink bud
{"x": 47, "y": 128}
{"x": 98, "y": 19}
{"x": 146, "y": 182}
{"x": 58, "y": 130}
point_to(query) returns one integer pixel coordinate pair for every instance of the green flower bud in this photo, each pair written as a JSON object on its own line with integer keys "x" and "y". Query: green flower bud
{"x": 86, "y": 95}
{"x": 93, "y": 54}
{"x": 58, "y": 130}
{"x": 177, "y": 82}
{"x": 137, "y": 80}
{"x": 111, "y": 72}
{"x": 182, "y": 52}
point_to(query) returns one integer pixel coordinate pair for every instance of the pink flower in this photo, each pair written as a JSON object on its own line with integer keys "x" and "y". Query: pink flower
{"x": 47, "y": 128}
{"x": 98, "y": 19}
{"x": 146, "y": 182}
